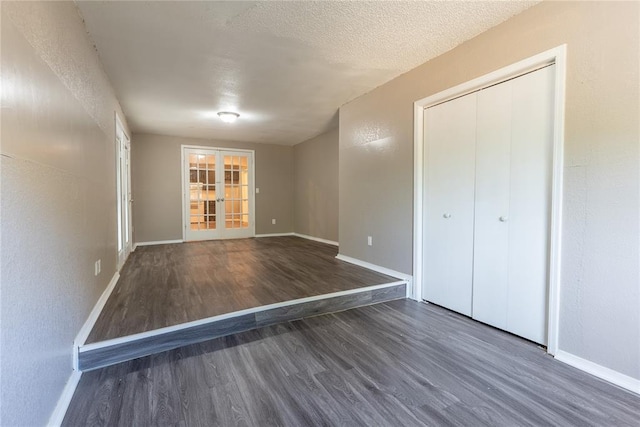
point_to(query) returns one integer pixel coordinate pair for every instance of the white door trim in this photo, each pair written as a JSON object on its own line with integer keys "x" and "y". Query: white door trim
{"x": 127, "y": 248}
{"x": 252, "y": 196}
{"x": 555, "y": 56}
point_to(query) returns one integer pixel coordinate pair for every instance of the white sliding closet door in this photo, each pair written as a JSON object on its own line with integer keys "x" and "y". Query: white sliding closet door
{"x": 449, "y": 182}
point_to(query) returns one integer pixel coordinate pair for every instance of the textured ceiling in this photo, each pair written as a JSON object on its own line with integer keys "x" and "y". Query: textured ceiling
{"x": 286, "y": 67}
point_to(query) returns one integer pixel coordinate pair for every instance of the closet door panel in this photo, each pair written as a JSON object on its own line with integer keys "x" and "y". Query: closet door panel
{"x": 491, "y": 242}
{"x": 449, "y": 203}
{"x": 530, "y": 204}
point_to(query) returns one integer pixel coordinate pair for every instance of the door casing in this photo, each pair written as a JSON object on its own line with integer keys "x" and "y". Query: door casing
{"x": 124, "y": 216}
{"x": 555, "y": 56}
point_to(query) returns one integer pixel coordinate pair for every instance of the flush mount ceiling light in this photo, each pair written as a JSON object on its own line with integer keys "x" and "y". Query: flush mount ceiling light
{"x": 228, "y": 116}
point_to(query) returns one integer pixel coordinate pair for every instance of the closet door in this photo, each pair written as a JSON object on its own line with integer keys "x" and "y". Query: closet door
{"x": 491, "y": 242}
{"x": 449, "y": 192}
{"x": 530, "y": 204}
{"x": 513, "y": 189}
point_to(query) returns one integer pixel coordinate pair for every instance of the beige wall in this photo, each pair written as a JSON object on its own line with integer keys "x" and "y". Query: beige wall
{"x": 316, "y": 186}
{"x": 157, "y": 192}
{"x": 600, "y": 273}
{"x": 57, "y": 200}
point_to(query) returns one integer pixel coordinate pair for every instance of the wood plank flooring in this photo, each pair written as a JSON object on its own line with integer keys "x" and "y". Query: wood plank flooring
{"x": 107, "y": 353}
{"x": 399, "y": 363}
{"x": 167, "y": 285}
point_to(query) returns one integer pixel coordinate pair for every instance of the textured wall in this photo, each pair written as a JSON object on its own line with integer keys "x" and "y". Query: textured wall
{"x": 57, "y": 200}
{"x": 157, "y": 192}
{"x": 600, "y": 320}
{"x": 316, "y": 186}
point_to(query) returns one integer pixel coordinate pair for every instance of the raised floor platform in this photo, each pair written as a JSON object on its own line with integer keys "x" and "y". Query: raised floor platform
{"x": 173, "y": 295}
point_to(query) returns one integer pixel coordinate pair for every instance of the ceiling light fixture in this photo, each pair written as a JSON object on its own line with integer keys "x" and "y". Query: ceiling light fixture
{"x": 228, "y": 116}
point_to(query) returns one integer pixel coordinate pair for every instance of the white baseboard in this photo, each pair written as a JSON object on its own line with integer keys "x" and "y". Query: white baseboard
{"x": 316, "y": 239}
{"x": 81, "y": 338}
{"x": 614, "y": 377}
{"x": 157, "y": 242}
{"x": 274, "y": 235}
{"x": 384, "y": 270}
{"x": 57, "y": 416}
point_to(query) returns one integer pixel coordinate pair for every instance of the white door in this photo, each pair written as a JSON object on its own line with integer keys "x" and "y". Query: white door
{"x": 530, "y": 204}
{"x": 513, "y": 204}
{"x": 493, "y": 170}
{"x": 449, "y": 191}
{"x": 503, "y": 279}
{"x": 218, "y": 194}
{"x": 123, "y": 193}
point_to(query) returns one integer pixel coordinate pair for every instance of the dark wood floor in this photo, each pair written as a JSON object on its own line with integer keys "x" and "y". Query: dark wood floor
{"x": 168, "y": 285}
{"x": 400, "y": 363}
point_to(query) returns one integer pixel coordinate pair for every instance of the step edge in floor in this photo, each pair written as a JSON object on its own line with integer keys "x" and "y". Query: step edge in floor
{"x": 121, "y": 349}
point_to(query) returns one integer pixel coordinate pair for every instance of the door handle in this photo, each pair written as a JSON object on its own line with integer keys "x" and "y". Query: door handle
{"x": 446, "y": 215}
{"x": 503, "y": 219}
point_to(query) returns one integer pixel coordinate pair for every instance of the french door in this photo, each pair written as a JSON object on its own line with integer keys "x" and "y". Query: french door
{"x": 218, "y": 200}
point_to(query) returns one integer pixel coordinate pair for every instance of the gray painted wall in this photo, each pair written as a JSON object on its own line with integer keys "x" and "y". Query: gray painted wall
{"x": 600, "y": 296}
{"x": 157, "y": 193}
{"x": 316, "y": 186}
{"x": 57, "y": 200}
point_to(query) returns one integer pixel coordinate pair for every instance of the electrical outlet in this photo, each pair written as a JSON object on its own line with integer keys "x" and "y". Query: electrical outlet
{"x": 273, "y": 221}
{"x": 369, "y": 240}
{"x": 257, "y": 190}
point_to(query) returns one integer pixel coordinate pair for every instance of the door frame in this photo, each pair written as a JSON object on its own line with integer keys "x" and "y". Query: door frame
{"x": 555, "y": 56}
{"x": 252, "y": 181}
{"x": 126, "y": 221}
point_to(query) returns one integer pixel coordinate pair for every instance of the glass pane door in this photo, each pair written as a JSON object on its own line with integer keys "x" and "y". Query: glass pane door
{"x": 218, "y": 194}
{"x": 236, "y": 191}
{"x": 202, "y": 191}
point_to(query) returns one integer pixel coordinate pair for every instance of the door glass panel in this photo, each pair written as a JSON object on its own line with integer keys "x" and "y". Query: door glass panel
{"x": 236, "y": 191}
{"x": 202, "y": 162}
{"x": 202, "y": 191}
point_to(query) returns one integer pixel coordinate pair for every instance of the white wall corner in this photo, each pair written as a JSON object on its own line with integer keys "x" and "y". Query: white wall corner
{"x": 604, "y": 373}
